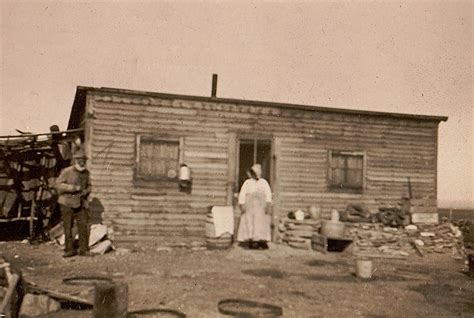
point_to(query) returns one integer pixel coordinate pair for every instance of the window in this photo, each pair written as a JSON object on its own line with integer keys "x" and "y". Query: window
{"x": 157, "y": 158}
{"x": 346, "y": 170}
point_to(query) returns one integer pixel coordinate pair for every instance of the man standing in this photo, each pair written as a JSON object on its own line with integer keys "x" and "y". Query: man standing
{"x": 73, "y": 186}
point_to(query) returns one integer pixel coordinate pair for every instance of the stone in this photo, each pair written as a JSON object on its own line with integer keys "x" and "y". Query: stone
{"x": 35, "y": 305}
{"x": 164, "y": 249}
{"x": 197, "y": 244}
{"x": 97, "y": 233}
{"x": 419, "y": 242}
{"x": 427, "y": 234}
{"x": 198, "y": 248}
{"x": 122, "y": 251}
{"x": 102, "y": 247}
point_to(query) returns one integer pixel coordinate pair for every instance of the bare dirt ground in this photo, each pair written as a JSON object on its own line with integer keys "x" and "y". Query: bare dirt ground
{"x": 303, "y": 283}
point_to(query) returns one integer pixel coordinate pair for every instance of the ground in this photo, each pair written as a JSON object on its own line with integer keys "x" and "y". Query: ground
{"x": 303, "y": 283}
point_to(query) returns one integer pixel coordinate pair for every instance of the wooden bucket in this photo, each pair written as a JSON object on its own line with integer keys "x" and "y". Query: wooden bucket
{"x": 219, "y": 243}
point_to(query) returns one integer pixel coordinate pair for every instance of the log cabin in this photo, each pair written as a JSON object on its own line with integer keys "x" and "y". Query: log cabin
{"x": 136, "y": 142}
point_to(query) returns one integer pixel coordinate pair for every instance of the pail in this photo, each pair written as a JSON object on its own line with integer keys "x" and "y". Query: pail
{"x": 299, "y": 215}
{"x": 364, "y": 268}
{"x": 219, "y": 243}
{"x": 213, "y": 242}
{"x": 332, "y": 229}
{"x": 315, "y": 212}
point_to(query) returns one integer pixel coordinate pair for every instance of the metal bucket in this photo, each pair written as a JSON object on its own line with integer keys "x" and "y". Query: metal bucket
{"x": 315, "y": 212}
{"x": 364, "y": 268}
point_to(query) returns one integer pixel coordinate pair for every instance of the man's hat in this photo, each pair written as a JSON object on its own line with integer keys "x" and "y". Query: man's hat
{"x": 79, "y": 154}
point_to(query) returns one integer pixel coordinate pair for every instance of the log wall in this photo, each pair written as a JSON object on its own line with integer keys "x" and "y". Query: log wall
{"x": 394, "y": 148}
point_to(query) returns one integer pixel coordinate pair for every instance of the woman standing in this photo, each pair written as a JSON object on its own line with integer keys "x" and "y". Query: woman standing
{"x": 255, "y": 199}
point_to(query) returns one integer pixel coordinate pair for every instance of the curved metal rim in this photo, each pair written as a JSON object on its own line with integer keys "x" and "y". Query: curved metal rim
{"x": 157, "y": 311}
{"x": 273, "y": 311}
{"x": 86, "y": 280}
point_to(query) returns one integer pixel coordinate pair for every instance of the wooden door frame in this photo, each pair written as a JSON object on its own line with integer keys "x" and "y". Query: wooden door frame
{"x": 254, "y": 136}
{"x": 233, "y": 169}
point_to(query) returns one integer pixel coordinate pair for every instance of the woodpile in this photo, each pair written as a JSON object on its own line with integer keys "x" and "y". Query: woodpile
{"x": 376, "y": 239}
{"x": 298, "y": 234}
{"x": 467, "y": 229}
{"x": 443, "y": 238}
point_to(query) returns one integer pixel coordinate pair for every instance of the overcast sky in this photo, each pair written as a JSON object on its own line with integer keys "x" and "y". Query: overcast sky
{"x": 408, "y": 57}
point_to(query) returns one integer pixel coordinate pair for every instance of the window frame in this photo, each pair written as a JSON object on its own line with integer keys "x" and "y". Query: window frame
{"x": 346, "y": 188}
{"x": 157, "y": 138}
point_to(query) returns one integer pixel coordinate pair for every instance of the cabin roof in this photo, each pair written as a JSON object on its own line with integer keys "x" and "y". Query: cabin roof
{"x": 78, "y": 107}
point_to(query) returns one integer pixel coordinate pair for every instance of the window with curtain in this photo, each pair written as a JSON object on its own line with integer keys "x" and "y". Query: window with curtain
{"x": 157, "y": 158}
{"x": 346, "y": 170}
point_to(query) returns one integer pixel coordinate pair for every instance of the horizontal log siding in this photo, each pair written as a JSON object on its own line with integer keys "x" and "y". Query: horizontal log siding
{"x": 394, "y": 148}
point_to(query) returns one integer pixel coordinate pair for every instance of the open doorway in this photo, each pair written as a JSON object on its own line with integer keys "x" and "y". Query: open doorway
{"x": 252, "y": 151}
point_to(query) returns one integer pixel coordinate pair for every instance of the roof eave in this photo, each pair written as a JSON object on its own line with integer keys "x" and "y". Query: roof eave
{"x": 85, "y": 89}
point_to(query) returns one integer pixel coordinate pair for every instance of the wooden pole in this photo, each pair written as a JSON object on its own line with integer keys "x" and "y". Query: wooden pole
{"x": 6, "y": 305}
{"x": 32, "y": 216}
{"x": 231, "y": 172}
{"x": 410, "y": 193}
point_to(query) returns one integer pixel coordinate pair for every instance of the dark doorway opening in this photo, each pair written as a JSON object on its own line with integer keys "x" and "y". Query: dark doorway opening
{"x": 252, "y": 151}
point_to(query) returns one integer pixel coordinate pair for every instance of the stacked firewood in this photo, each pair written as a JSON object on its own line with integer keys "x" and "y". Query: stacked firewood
{"x": 442, "y": 238}
{"x": 377, "y": 239}
{"x": 296, "y": 233}
{"x": 467, "y": 229}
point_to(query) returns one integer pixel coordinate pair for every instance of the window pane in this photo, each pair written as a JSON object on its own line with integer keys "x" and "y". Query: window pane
{"x": 354, "y": 178}
{"x": 337, "y": 177}
{"x": 146, "y": 158}
{"x": 158, "y": 158}
{"x": 347, "y": 170}
{"x": 354, "y": 162}
{"x": 341, "y": 161}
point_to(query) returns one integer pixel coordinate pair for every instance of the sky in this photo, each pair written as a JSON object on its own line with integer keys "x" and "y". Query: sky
{"x": 391, "y": 56}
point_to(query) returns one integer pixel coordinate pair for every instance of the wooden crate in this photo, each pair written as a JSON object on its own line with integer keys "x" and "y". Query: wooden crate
{"x": 319, "y": 243}
{"x": 324, "y": 244}
{"x": 425, "y": 218}
{"x": 424, "y": 205}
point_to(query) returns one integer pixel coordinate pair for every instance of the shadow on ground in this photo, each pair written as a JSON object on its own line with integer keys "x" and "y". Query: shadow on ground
{"x": 437, "y": 294}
